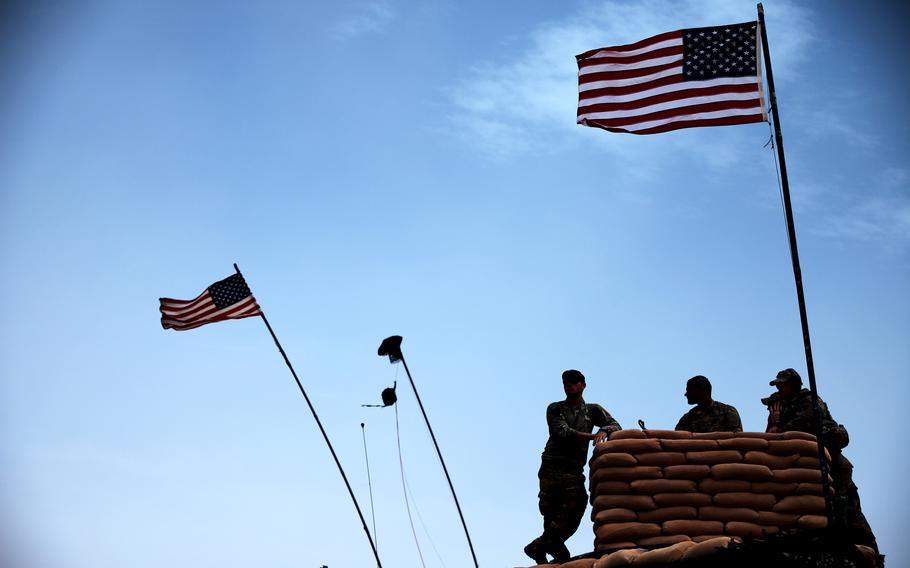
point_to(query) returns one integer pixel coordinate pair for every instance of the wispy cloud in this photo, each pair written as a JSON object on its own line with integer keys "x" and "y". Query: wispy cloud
{"x": 367, "y": 18}
{"x": 525, "y": 100}
{"x": 877, "y": 212}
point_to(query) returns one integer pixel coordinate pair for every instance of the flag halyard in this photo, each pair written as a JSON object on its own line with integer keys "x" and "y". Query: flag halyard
{"x": 687, "y": 78}
{"x": 230, "y": 298}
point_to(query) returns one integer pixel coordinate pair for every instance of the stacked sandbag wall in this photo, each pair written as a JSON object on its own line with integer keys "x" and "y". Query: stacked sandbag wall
{"x": 652, "y": 488}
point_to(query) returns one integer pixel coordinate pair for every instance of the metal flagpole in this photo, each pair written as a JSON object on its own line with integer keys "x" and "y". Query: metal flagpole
{"x": 321, "y": 429}
{"x": 391, "y": 346}
{"x": 794, "y": 255}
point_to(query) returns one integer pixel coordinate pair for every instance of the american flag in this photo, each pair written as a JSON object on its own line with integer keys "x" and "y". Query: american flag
{"x": 226, "y": 299}
{"x": 682, "y": 79}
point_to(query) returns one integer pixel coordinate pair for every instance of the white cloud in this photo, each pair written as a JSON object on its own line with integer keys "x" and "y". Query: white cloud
{"x": 526, "y": 101}
{"x": 878, "y": 212}
{"x": 369, "y": 17}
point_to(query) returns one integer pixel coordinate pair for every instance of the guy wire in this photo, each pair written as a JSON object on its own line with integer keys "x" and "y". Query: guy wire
{"x": 370, "y": 483}
{"x": 404, "y": 488}
{"x": 780, "y": 187}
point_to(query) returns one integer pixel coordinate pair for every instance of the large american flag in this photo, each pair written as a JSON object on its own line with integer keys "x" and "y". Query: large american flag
{"x": 691, "y": 77}
{"x": 226, "y": 299}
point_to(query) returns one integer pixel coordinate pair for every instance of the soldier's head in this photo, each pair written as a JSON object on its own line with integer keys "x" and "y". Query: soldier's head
{"x": 698, "y": 390}
{"x": 573, "y": 382}
{"x": 788, "y": 383}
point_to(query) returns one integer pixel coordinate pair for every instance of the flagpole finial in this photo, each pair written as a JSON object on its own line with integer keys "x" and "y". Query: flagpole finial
{"x": 391, "y": 346}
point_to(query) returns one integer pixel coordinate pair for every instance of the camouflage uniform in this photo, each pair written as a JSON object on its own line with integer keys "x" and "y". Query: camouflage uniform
{"x": 716, "y": 417}
{"x": 797, "y": 414}
{"x": 562, "y": 497}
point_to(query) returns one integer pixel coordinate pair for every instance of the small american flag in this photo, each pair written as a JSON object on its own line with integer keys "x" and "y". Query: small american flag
{"x": 682, "y": 79}
{"x": 226, "y": 299}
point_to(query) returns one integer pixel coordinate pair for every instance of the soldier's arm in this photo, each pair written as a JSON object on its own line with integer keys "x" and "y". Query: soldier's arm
{"x": 733, "y": 421}
{"x": 683, "y": 423}
{"x": 604, "y": 420}
{"x": 559, "y": 428}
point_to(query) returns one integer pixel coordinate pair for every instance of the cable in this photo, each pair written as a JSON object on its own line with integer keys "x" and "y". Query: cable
{"x": 780, "y": 187}
{"x": 404, "y": 488}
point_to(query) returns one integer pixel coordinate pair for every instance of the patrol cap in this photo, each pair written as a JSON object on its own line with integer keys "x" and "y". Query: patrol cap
{"x": 787, "y": 376}
{"x": 572, "y": 376}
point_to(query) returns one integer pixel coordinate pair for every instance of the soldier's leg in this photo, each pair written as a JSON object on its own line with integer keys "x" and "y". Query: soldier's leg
{"x": 847, "y": 499}
{"x": 548, "y": 499}
{"x": 575, "y": 501}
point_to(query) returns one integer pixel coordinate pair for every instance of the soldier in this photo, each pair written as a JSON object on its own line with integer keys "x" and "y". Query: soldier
{"x": 708, "y": 414}
{"x": 562, "y": 497}
{"x": 791, "y": 409}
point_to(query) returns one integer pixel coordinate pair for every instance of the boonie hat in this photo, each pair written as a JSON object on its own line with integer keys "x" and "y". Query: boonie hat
{"x": 787, "y": 376}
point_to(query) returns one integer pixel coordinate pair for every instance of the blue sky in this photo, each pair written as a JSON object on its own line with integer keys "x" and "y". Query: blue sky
{"x": 385, "y": 167}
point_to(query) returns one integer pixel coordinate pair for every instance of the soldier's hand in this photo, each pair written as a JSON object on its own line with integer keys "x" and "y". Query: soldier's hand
{"x": 600, "y": 437}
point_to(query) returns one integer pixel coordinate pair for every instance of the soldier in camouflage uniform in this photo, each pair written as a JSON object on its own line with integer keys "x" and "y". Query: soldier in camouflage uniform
{"x": 791, "y": 409}
{"x": 708, "y": 414}
{"x": 562, "y": 497}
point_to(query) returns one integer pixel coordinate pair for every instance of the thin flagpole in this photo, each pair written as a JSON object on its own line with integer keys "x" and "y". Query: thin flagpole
{"x": 442, "y": 461}
{"x": 794, "y": 256}
{"x": 321, "y": 429}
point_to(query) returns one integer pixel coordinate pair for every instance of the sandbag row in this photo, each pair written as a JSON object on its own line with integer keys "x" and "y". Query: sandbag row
{"x": 652, "y": 488}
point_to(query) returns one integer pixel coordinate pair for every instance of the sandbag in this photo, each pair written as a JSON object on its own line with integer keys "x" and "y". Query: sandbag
{"x": 605, "y": 546}
{"x": 630, "y": 434}
{"x": 789, "y": 447}
{"x": 622, "y": 532}
{"x": 682, "y": 500}
{"x": 704, "y": 537}
{"x": 707, "y": 547}
{"x": 686, "y": 471}
{"x": 712, "y": 486}
{"x": 662, "y": 459}
{"x": 612, "y": 488}
{"x": 812, "y": 521}
{"x": 619, "y": 558}
{"x": 810, "y": 489}
{"x": 755, "y": 501}
{"x": 654, "y": 486}
{"x": 624, "y": 473}
{"x": 664, "y": 540}
{"x": 794, "y": 435}
{"x": 669, "y": 434}
{"x": 776, "y": 489}
{"x": 807, "y": 462}
{"x": 750, "y": 530}
{"x": 766, "y": 459}
{"x": 580, "y": 563}
{"x": 666, "y": 555}
{"x": 628, "y": 446}
{"x": 714, "y": 457}
{"x": 712, "y": 435}
{"x": 631, "y": 502}
{"x": 614, "y": 516}
{"x": 762, "y": 435}
{"x": 782, "y": 520}
{"x": 743, "y": 444}
{"x": 743, "y": 471}
{"x": 667, "y": 514}
{"x": 727, "y": 514}
{"x": 692, "y": 528}
{"x": 618, "y": 459}
{"x": 797, "y": 475}
{"x": 801, "y": 505}
{"x": 688, "y": 445}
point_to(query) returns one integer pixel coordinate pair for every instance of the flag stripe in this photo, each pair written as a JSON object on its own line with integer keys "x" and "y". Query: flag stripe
{"x": 743, "y": 84}
{"x": 646, "y": 59}
{"x": 675, "y": 113}
{"x": 647, "y": 42}
{"x": 722, "y": 118}
{"x": 681, "y": 79}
